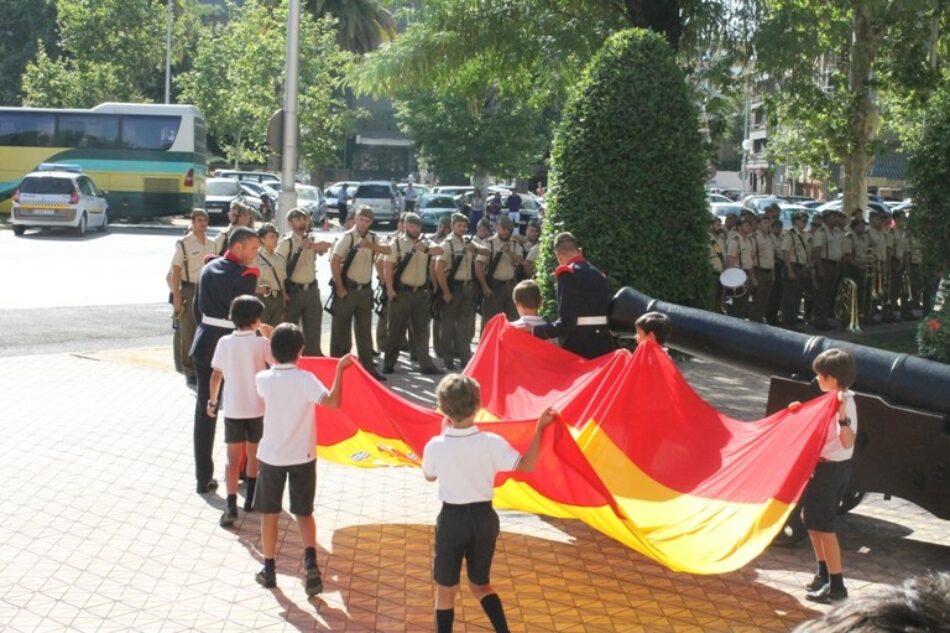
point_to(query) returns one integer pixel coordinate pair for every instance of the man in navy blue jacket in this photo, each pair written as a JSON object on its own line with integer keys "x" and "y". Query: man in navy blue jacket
{"x": 221, "y": 280}
{"x": 583, "y": 299}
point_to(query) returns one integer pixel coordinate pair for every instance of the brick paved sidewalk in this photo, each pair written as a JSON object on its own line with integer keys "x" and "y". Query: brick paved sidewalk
{"x": 103, "y": 531}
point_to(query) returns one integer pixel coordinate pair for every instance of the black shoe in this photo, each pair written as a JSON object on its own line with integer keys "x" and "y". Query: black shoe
{"x": 208, "y": 486}
{"x": 228, "y": 517}
{"x": 375, "y": 374}
{"x": 816, "y": 583}
{"x": 191, "y": 380}
{"x": 248, "y": 506}
{"x": 268, "y": 581}
{"x": 388, "y": 370}
{"x": 431, "y": 371}
{"x": 376, "y": 352}
{"x": 450, "y": 365}
{"x": 827, "y": 594}
{"x": 314, "y": 583}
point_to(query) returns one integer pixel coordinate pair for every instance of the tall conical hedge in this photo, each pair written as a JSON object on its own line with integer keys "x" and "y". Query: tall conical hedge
{"x": 628, "y": 173}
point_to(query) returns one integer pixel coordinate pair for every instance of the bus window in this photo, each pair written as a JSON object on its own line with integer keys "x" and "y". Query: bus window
{"x": 88, "y": 130}
{"x": 201, "y": 143}
{"x": 149, "y": 132}
{"x": 27, "y": 129}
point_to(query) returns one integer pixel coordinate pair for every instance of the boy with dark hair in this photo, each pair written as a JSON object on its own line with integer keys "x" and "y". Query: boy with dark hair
{"x": 527, "y": 298}
{"x": 238, "y": 358}
{"x": 465, "y": 462}
{"x": 288, "y": 449}
{"x": 835, "y": 370}
{"x": 653, "y": 326}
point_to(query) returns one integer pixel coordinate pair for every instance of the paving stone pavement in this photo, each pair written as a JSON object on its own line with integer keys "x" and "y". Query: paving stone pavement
{"x": 103, "y": 530}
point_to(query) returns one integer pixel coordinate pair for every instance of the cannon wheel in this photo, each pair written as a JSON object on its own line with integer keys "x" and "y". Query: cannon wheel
{"x": 851, "y": 500}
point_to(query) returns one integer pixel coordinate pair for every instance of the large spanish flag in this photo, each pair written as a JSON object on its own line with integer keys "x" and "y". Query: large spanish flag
{"x": 638, "y": 455}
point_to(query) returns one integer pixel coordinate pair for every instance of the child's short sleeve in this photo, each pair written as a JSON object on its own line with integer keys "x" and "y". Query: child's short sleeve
{"x": 259, "y": 382}
{"x": 427, "y": 465}
{"x": 317, "y": 390}
{"x": 220, "y": 358}
{"x": 504, "y": 456}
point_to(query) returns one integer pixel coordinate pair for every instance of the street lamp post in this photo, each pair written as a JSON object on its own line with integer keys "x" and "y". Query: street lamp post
{"x": 168, "y": 51}
{"x": 288, "y": 192}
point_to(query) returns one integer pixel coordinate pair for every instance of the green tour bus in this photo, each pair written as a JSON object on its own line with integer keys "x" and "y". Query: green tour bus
{"x": 151, "y": 159}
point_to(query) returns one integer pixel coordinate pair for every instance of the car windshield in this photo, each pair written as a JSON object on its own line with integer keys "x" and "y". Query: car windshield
{"x": 47, "y": 185}
{"x": 223, "y": 188}
{"x": 373, "y": 191}
{"x": 438, "y": 202}
{"x": 306, "y": 194}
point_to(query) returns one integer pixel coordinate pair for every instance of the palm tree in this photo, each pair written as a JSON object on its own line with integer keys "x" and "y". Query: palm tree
{"x": 362, "y": 25}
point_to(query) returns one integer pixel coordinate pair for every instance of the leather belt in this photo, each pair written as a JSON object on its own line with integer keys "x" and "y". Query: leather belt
{"x": 768, "y": 270}
{"x": 187, "y": 284}
{"x": 592, "y": 320}
{"x": 216, "y": 322}
{"x": 407, "y": 288}
{"x": 352, "y": 285}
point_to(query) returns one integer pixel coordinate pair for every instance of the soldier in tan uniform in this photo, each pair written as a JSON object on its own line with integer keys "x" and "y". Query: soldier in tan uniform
{"x": 187, "y": 262}
{"x": 407, "y": 287}
{"x": 239, "y": 214}
{"x": 855, "y": 258}
{"x": 271, "y": 285}
{"x": 456, "y": 277}
{"x": 764, "y": 269}
{"x": 779, "y": 272}
{"x": 532, "y": 246}
{"x": 495, "y": 271}
{"x": 303, "y": 303}
{"x": 880, "y": 263}
{"x": 899, "y": 264}
{"x": 740, "y": 253}
{"x": 915, "y": 259}
{"x": 827, "y": 257}
{"x": 796, "y": 262}
{"x": 442, "y": 233}
{"x": 717, "y": 261}
{"x": 352, "y": 267}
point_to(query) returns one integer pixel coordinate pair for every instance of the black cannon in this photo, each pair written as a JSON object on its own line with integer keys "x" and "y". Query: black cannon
{"x": 903, "y": 444}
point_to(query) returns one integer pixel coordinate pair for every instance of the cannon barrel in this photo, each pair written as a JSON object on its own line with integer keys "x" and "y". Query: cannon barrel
{"x": 900, "y": 378}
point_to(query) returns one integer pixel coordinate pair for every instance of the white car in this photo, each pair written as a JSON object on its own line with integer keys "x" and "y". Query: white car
{"x": 59, "y": 196}
{"x": 381, "y": 196}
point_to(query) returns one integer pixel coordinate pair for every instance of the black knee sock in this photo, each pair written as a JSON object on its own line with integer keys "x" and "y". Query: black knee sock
{"x": 491, "y": 604}
{"x": 232, "y": 504}
{"x": 249, "y": 497}
{"x": 822, "y": 570}
{"x": 310, "y": 557}
{"x": 443, "y": 620}
{"x": 269, "y": 566}
{"x": 837, "y": 581}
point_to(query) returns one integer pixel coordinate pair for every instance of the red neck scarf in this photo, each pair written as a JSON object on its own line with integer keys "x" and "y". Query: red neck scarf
{"x": 248, "y": 270}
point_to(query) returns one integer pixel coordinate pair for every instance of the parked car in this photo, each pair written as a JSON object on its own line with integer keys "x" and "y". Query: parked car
{"x": 381, "y": 196}
{"x": 798, "y": 199}
{"x": 311, "y": 198}
{"x": 248, "y": 176}
{"x": 433, "y": 207}
{"x": 332, "y": 193}
{"x": 722, "y": 209}
{"x": 219, "y": 192}
{"x": 872, "y": 204}
{"x": 59, "y": 196}
{"x": 759, "y": 203}
{"x": 787, "y": 210}
{"x": 716, "y": 197}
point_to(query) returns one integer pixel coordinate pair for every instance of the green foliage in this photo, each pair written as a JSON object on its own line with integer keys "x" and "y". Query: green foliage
{"x": 933, "y": 335}
{"x": 237, "y": 82}
{"x": 26, "y": 26}
{"x": 930, "y": 175}
{"x": 628, "y": 173}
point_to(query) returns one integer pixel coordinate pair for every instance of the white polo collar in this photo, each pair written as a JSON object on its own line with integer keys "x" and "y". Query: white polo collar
{"x": 245, "y": 333}
{"x": 285, "y": 366}
{"x": 466, "y": 432}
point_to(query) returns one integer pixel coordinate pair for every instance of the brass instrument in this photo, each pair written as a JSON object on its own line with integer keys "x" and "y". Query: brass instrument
{"x": 907, "y": 288}
{"x": 846, "y": 305}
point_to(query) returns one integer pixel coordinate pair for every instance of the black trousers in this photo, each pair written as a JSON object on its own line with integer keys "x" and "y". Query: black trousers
{"x": 204, "y": 425}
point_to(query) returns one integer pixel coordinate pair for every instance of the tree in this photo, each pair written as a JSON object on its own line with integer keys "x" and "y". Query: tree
{"x": 238, "y": 95}
{"x": 112, "y": 50}
{"x": 826, "y": 58}
{"x": 25, "y": 28}
{"x": 627, "y": 173}
{"x": 362, "y": 25}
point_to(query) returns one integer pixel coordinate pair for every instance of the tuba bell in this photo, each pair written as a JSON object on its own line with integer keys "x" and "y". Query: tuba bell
{"x": 846, "y": 305}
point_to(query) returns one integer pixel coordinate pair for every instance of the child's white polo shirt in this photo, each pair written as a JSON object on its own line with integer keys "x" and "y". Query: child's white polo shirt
{"x": 833, "y": 451}
{"x": 465, "y": 461}
{"x": 290, "y": 429}
{"x": 239, "y": 356}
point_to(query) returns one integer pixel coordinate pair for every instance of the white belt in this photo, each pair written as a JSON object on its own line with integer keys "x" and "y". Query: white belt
{"x": 592, "y": 320}
{"x": 222, "y": 323}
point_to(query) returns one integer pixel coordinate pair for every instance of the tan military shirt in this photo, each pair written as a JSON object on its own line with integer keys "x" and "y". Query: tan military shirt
{"x": 717, "y": 252}
{"x": 819, "y": 241}
{"x": 830, "y": 241}
{"x": 453, "y": 247}
{"x": 190, "y": 255}
{"x": 221, "y": 241}
{"x": 856, "y": 246}
{"x": 305, "y": 272}
{"x": 361, "y": 268}
{"x": 777, "y": 247}
{"x": 794, "y": 243}
{"x": 505, "y": 270}
{"x": 743, "y": 248}
{"x": 273, "y": 269}
{"x": 533, "y": 252}
{"x": 764, "y": 251}
{"x": 900, "y": 244}
{"x": 414, "y": 274}
{"x": 913, "y": 245}
{"x": 878, "y": 243}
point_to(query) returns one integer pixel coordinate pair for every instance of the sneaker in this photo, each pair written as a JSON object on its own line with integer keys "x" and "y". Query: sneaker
{"x": 827, "y": 594}
{"x": 228, "y": 517}
{"x": 314, "y": 583}
{"x": 265, "y": 580}
{"x": 816, "y": 583}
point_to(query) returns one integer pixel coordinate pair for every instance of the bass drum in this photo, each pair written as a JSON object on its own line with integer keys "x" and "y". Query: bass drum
{"x": 735, "y": 284}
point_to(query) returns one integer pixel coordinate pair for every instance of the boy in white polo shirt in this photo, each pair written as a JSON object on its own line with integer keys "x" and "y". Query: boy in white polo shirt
{"x": 237, "y": 359}
{"x": 465, "y": 462}
{"x": 288, "y": 449}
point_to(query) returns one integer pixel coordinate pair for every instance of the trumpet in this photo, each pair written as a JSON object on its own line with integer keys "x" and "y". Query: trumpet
{"x": 846, "y": 305}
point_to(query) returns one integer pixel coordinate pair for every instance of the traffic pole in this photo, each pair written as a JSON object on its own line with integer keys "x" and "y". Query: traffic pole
{"x": 288, "y": 192}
